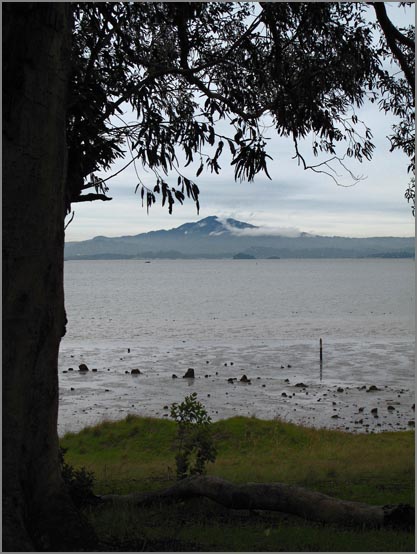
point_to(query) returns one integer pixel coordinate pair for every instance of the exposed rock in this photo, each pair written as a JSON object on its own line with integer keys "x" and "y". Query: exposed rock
{"x": 128, "y": 350}
{"x": 413, "y": 407}
{"x": 244, "y": 379}
{"x": 374, "y": 411}
{"x": 411, "y": 423}
{"x": 282, "y": 367}
{"x": 391, "y": 408}
{"x": 286, "y": 381}
{"x": 65, "y": 371}
{"x": 288, "y": 366}
{"x": 232, "y": 380}
{"x": 361, "y": 409}
{"x": 340, "y": 389}
{"x": 94, "y": 370}
{"x": 72, "y": 388}
{"x": 372, "y": 388}
{"x": 135, "y": 372}
{"x": 174, "y": 376}
{"x": 335, "y": 416}
{"x": 70, "y": 369}
{"x": 301, "y": 385}
{"x": 284, "y": 394}
{"x": 83, "y": 367}
{"x": 189, "y": 374}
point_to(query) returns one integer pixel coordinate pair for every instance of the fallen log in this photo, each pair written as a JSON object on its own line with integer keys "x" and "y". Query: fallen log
{"x": 291, "y": 499}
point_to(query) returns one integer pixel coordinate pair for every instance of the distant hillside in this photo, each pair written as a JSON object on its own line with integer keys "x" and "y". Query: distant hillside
{"x": 215, "y": 238}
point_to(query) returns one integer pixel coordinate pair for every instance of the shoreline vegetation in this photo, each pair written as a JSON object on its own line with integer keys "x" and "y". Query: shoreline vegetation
{"x": 137, "y": 454}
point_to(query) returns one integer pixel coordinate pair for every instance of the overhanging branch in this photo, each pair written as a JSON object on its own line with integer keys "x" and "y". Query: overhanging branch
{"x": 392, "y": 35}
{"x": 91, "y": 198}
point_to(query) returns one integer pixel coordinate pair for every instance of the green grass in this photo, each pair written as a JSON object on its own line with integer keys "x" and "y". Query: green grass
{"x": 137, "y": 454}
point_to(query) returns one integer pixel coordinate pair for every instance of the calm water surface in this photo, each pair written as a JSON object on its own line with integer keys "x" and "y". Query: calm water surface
{"x": 260, "y": 314}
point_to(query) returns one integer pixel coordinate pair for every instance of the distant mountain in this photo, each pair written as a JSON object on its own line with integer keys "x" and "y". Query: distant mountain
{"x": 228, "y": 238}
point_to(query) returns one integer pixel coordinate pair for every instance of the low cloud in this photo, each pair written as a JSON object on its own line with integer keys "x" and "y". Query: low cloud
{"x": 263, "y": 231}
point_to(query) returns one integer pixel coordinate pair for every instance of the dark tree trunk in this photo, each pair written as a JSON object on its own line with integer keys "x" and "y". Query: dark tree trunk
{"x": 37, "y": 512}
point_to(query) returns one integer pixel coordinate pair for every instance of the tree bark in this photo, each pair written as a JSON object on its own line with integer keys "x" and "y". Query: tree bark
{"x": 280, "y": 497}
{"x": 37, "y": 511}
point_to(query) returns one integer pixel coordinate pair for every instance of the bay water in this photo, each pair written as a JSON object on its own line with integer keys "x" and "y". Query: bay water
{"x": 226, "y": 318}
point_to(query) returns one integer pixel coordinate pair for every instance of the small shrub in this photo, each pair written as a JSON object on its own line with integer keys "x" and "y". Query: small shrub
{"x": 194, "y": 441}
{"x": 79, "y": 482}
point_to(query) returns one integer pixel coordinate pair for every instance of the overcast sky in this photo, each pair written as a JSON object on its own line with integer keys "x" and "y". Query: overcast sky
{"x": 294, "y": 198}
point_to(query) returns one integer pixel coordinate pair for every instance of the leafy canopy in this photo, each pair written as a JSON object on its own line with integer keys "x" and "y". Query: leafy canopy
{"x": 182, "y": 67}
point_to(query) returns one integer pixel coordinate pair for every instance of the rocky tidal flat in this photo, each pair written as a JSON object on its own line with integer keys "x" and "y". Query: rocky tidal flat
{"x": 265, "y": 382}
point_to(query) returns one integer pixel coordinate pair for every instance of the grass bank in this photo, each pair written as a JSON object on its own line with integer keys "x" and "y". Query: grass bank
{"x": 137, "y": 454}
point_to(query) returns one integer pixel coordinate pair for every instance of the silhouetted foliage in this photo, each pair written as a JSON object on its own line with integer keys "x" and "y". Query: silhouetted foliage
{"x": 182, "y": 67}
{"x": 79, "y": 482}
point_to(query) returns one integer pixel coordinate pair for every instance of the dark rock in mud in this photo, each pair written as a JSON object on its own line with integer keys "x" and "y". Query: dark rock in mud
{"x": 83, "y": 367}
{"x": 232, "y": 380}
{"x": 244, "y": 379}
{"x": 94, "y": 370}
{"x": 373, "y": 388}
{"x": 135, "y": 372}
{"x": 301, "y": 385}
{"x": 340, "y": 389}
{"x": 189, "y": 374}
{"x": 174, "y": 376}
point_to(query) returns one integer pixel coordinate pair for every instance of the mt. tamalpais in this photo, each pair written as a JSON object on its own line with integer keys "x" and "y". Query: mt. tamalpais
{"x": 215, "y": 238}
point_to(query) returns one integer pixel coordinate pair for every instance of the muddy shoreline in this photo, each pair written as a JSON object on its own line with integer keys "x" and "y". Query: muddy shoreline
{"x": 290, "y": 388}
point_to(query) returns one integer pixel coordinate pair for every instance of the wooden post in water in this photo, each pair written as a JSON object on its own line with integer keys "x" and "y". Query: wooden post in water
{"x": 321, "y": 359}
